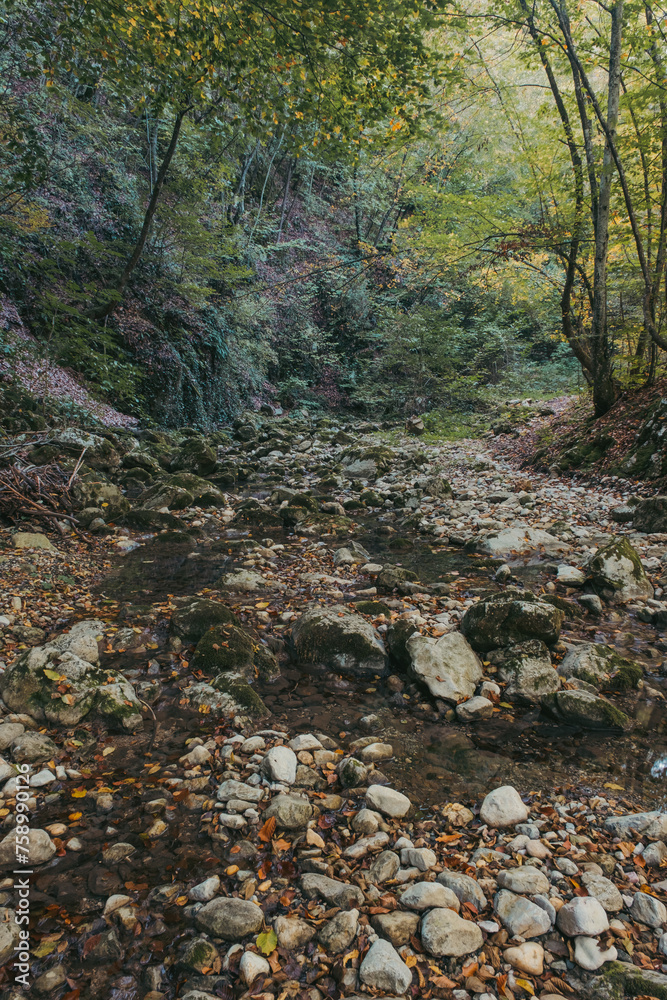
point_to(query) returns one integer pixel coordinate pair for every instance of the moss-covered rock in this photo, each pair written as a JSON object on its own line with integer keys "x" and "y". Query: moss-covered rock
{"x": 339, "y": 639}
{"x": 396, "y": 640}
{"x": 194, "y": 618}
{"x": 617, "y": 573}
{"x": 374, "y": 608}
{"x": 509, "y": 618}
{"x": 528, "y": 672}
{"x": 228, "y": 696}
{"x": 150, "y": 520}
{"x": 391, "y": 577}
{"x": 601, "y": 665}
{"x": 650, "y": 515}
{"x": 195, "y": 455}
{"x": 585, "y": 710}
{"x": 621, "y": 980}
{"x": 224, "y": 648}
{"x": 90, "y": 490}
{"x": 165, "y": 494}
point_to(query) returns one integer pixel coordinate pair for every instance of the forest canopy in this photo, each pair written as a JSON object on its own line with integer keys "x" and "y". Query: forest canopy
{"x": 389, "y": 207}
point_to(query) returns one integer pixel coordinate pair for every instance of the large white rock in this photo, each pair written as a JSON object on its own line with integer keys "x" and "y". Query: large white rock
{"x": 590, "y": 956}
{"x": 521, "y": 540}
{"x": 520, "y": 916}
{"x": 384, "y": 969}
{"x": 582, "y": 915}
{"x": 251, "y": 966}
{"x": 427, "y": 895}
{"x": 40, "y": 848}
{"x": 527, "y": 957}
{"x": 387, "y": 801}
{"x": 503, "y": 807}
{"x": 448, "y": 666}
{"x": 279, "y": 764}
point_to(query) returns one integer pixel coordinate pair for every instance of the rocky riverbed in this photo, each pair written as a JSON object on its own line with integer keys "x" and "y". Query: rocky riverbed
{"x": 323, "y": 711}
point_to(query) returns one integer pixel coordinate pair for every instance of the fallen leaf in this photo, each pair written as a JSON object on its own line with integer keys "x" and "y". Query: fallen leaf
{"x": 267, "y": 942}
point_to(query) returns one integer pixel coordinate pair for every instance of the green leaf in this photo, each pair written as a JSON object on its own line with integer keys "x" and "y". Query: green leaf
{"x": 52, "y": 675}
{"x": 267, "y": 942}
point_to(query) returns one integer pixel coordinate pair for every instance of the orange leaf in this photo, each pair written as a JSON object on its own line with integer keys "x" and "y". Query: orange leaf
{"x": 267, "y": 830}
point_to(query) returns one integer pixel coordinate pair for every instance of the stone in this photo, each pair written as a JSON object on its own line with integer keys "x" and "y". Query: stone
{"x": 191, "y": 621}
{"x": 655, "y": 854}
{"x": 365, "y": 845}
{"x": 198, "y": 954}
{"x": 365, "y": 822}
{"x": 570, "y": 576}
{"x": 650, "y": 514}
{"x": 585, "y": 709}
{"x": 338, "y": 639}
{"x": 376, "y": 751}
{"x": 528, "y": 672}
{"x": 383, "y": 969}
{"x": 508, "y": 618}
{"x": 33, "y": 748}
{"x": 503, "y": 807}
{"x": 204, "y": 891}
{"x": 9, "y": 934}
{"x": 331, "y": 890}
{"x": 520, "y": 916}
{"x": 603, "y": 890}
{"x": 427, "y": 895}
{"x": 279, "y": 764}
{"x": 244, "y": 581}
{"x": 422, "y": 858}
{"x": 118, "y": 852}
{"x": 464, "y": 888}
{"x": 521, "y": 540}
{"x": 338, "y": 933}
{"x": 50, "y": 980}
{"x": 526, "y": 880}
{"x": 291, "y": 811}
{"x": 232, "y": 789}
{"x": 448, "y": 666}
{"x": 589, "y": 955}
{"x": 475, "y": 709}
{"x": 445, "y": 933}
{"x": 384, "y": 867}
{"x": 252, "y": 966}
{"x": 527, "y": 957}
{"x": 599, "y": 664}
{"x": 582, "y": 915}
{"x": 229, "y": 918}
{"x": 646, "y": 909}
{"x": 305, "y": 741}
{"x": 32, "y": 540}
{"x": 352, "y": 772}
{"x": 293, "y": 933}
{"x": 10, "y": 731}
{"x": 39, "y": 849}
{"x": 617, "y": 573}
{"x": 387, "y": 801}
{"x": 397, "y": 927}
{"x": 652, "y": 825}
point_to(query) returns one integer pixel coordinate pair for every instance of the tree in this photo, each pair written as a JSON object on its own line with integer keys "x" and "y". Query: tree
{"x": 343, "y": 65}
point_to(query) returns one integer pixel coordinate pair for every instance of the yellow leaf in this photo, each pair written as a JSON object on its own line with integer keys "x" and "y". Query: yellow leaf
{"x": 525, "y": 985}
{"x": 79, "y": 793}
{"x": 613, "y": 787}
{"x": 411, "y": 961}
{"x": 108, "y": 750}
{"x": 53, "y": 675}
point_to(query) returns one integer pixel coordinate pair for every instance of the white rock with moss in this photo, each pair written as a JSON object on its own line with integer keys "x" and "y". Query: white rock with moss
{"x": 617, "y": 573}
{"x": 448, "y": 666}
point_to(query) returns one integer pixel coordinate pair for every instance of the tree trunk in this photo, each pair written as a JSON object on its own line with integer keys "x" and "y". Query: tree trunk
{"x": 116, "y": 294}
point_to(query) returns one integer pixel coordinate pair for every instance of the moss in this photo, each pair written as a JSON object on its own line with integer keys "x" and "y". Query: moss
{"x": 627, "y": 980}
{"x": 243, "y": 695}
{"x": 613, "y": 716}
{"x": 193, "y": 620}
{"x": 373, "y": 608}
{"x": 224, "y": 648}
{"x": 264, "y": 662}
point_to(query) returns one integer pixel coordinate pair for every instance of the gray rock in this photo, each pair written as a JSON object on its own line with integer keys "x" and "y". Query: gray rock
{"x": 32, "y": 540}
{"x": 279, "y": 764}
{"x": 508, "y": 618}
{"x": 603, "y": 890}
{"x": 9, "y": 934}
{"x": 448, "y": 666}
{"x": 475, "y": 709}
{"x": 229, "y": 918}
{"x": 520, "y": 916}
{"x": 427, "y": 895}
{"x": 365, "y": 845}
{"x": 464, "y": 888}
{"x": 503, "y": 807}
{"x": 10, "y": 731}
{"x": 339, "y": 639}
{"x": 352, "y": 772}
{"x": 526, "y": 880}
{"x": 582, "y": 915}
{"x": 645, "y": 908}
{"x": 655, "y": 854}
{"x": 384, "y": 867}
{"x": 422, "y": 858}
{"x": 338, "y": 933}
{"x": 331, "y": 890}
{"x": 521, "y": 540}
{"x": 652, "y": 824}
{"x": 231, "y": 789}
{"x": 292, "y": 932}
{"x": 387, "y": 801}
{"x": 384, "y": 969}
{"x": 617, "y": 573}
{"x": 39, "y": 850}
{"x": 528, "y": 672}
{"x": 397, "y": 927}
{"x": 33, "y": 748}
{"x": 585, "y": 709}
{"x": 291, "y": 811}
{"x": 444, "y": 932}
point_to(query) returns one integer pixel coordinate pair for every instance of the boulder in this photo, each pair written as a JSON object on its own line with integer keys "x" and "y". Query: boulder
{"x": 528, "y": 672}
{"x": 520, "y": 541}
{"x": 584, "y": 709}
{"x": 195, "y": 455}
{"x": 39, "y": 849}
{"x": 650, "y": 515}
{"x": 396, "y": 927}
{"x": 337, "y": 934}
{"x": 464, "y": 888}
{"x": 510, "y": 617}
{"x": 448, "y": 665}
{"x": 520, "y": 916}
{"x": 383, "y": 969}
{"x": 582, "y": 915}
{"x": 617, "y": 573}
{"x": 292, "y": 812}
{"x": 338, "y": 639}
{"x": 598, "y": 664}
{"x": 193, "y": 619}
{"x": 429, "y": 895}
{"x": 32, "y": 540}
{"x": 62, "y": 683}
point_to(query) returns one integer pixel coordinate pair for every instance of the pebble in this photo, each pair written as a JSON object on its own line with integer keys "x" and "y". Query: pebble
{"x": 503, "y": 807}
{"x": 387, "y": 801}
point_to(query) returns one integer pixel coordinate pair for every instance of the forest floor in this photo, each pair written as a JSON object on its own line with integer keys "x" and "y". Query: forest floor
{"x": 396, "y": 810}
